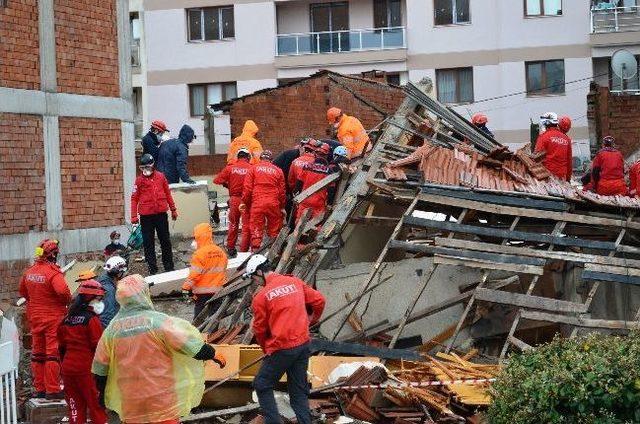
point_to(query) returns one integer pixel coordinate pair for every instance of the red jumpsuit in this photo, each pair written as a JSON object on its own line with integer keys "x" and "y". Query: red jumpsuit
{"x": 317, "y": 202}
{"x": 559, "y": 158}
{"x": 609, "y": 165}
{"x": 47, "y": 295}
{"x": 78, "y": 336}
{"x": 264, "y": 195}
{"x": 634, "y": 178}
{"x": 296, "y": 169}
{"x": 232, "y": 177}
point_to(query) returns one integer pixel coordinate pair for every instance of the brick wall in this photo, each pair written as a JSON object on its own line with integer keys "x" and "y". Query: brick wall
{"x": 206, "y": 165}
{"x": 616, "y": 115}
{"x": 22, "y": 191}
{"x": 91, "y": 168}
{"x": 286, "y": 114}
{"x": 19, "y": 47}
{"x": 87, "y": 47}
{"x": 10, "y": 272}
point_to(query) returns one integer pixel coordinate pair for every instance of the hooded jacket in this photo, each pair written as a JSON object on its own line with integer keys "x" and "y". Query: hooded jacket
{"x": 111, "y": 306}
{"x": 208, "y": 271}
{"x": 147, "y": 357}
{"x": 246, "y": 140}
{"x": 151, "y": 145}
{"x": 173, "y": 154}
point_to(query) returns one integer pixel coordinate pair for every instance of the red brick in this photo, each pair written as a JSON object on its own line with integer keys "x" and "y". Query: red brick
{"x": 19, "y": 47}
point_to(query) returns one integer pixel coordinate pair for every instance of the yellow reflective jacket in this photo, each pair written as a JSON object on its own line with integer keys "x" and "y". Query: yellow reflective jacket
{"x": 147, "y": 357}
{"x": 208, "y": 271}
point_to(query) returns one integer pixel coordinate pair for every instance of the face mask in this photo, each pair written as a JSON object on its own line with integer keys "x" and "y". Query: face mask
{"x": 164, "y": 137}
{"x": 147, "y": 172}
{"x": 194, "y": 245}
{"x": 97, "y": 306}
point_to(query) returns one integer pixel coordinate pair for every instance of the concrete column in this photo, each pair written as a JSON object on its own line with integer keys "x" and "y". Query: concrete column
{"x": 46, "y": 36}
{"x": 128, "y": 165}
{"x": 124, "y": 49}
{"x": 53, "y": 179}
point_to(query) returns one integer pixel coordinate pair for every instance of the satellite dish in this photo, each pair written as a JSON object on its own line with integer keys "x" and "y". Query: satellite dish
{"x": 624, "y": 64}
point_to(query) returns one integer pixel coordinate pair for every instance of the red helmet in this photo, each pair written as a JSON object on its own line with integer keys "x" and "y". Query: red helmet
{"x": 159, "y": 125}
{"x": 333, "y": 114}
{"x": 48, "y": 249}
{"x": 322, "y": 149}
{"x": 91, "y": 287}
{"x": 114, "y": 235}
{"x": 564, "y": 124}
{"x": 479, "y": 119}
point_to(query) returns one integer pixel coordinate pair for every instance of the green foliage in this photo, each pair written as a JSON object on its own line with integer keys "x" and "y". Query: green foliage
{"x": 590, "y": 380}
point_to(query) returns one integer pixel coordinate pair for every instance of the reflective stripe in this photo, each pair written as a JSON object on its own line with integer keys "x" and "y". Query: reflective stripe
{"x": 207, "y": 271}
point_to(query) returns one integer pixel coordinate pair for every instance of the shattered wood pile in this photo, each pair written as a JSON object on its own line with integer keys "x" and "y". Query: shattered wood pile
{"x": 468, "y": 202}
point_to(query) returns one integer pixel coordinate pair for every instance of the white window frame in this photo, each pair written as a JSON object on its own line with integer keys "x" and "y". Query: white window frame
{"x": 454, "y": 17}
{"x": 202, "y": 24}
{"x": 542, "y": 14}
{"x": 206, "y": 94}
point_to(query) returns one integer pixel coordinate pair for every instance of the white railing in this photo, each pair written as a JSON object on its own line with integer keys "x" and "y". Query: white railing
{"x": 615, "y": 19}
{"x": 353, "y": 40}
{"x": 8, "y": 374}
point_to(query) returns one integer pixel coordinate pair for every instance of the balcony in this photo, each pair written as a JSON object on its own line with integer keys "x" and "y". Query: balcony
{"x": 355, "y": 40}
{"x": 605, "y": 20}
{"x": 135, "y": 56}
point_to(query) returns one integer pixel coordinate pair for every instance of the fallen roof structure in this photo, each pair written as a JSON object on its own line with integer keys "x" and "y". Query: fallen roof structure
{"x": 435, "y": 186}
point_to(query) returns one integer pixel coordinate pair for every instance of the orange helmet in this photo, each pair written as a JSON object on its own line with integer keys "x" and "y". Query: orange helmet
{"x": 48, "y": 249}
{"x": 86, "y": 275}
{"x": 333, "y": 114}
{"x": 159, "y": 125}
{"x": 564, "y": 124}
{"x": 479, "y": 119}
{"x": 91, "y": 287}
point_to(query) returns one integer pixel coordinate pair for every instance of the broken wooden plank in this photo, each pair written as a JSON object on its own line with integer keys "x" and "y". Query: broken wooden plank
{"x": 320, "y": 345}
{"x": 519, "y": 343}
{"x": 580, "y": 321}
{"x": 313, "y": 189}
{"x": 489, "y": 257}
{"x": 487, "y": 265}
{"x": 611, "y": 269}
{"x": 612, "y": 278}
{"x": 292, "y": 241}
{"x": 375, "y": 221}
{"x": 529, "y": 301}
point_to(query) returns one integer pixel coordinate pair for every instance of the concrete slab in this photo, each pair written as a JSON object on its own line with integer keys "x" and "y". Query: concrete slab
{"x": 192, "y": 202}
{"x": 391, "y": 299}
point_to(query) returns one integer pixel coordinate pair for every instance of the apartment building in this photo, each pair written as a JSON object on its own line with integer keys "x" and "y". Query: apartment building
{"x": 510, "y": 59}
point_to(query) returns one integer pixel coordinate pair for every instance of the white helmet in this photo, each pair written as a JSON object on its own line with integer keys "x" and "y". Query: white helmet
{"x": 254, "y": 263}
{"x": 549, "y": 118}
{"x": 243, "y": 150}
{"x": 115, "y": 265}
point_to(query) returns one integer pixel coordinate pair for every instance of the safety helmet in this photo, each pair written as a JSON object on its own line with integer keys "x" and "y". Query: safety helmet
{"x": 244, "y": 152}
{"x": 114, "y": 235}
{"x": 255, "y": 263}
{"x": 48, "y": 249}
{"x": 85, "y": 275}
{"x": 608, "y": 141}
{"x": 549, "y": 118}
{"x": 564, "y": 124}
{"x": 115, "y": 265}
{"x": 266, "y": 155}
{"x": 146, "y": 160}
{"x": 159, "y": 126}
{"x": 333, "y": 114}
{"x": 479, "y": 119}
{"x": 341, "y": 151}
{"x": 323, "y": 149}
{"x": 91, "y": 288}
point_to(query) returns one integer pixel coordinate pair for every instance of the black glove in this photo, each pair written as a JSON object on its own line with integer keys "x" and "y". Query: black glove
{"x": 101, "y": 384}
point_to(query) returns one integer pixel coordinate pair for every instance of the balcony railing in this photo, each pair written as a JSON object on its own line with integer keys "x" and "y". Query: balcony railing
{"x": 615, "y": 19}
{"x": 354, "y": 40}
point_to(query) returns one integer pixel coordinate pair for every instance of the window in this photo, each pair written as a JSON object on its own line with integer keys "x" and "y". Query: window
{"x": 387, "y": 13}
{"x": 455, "y": 85}
{"x": 210, "y": 23}
{"x": 546, "y": 77}
{"x": 450, "y": 12}
{"x": 543, "y": 7}
{"x": 202, "y": 95}
{"x": 393, "y": 79}
{"x": 328, "y": 18}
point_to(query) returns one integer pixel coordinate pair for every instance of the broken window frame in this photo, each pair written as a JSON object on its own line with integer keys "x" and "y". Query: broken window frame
{"x": 225, "y": 88}
{"x": 454, "y": 13}
{"x": 457, "y": 100}
{"x": 545, "y": 89}
{"x": 225, "y": 24}
{"x": 542, "y": 8}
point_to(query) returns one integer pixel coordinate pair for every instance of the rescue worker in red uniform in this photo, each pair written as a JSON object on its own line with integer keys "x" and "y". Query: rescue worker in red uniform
{"x": 298, "y": 164}
{"x": 634, "y": 178}
{"x": 232, "y": 177}
{"x": 283, "y": 310}
{"x": 78, "y": 337}
{"x": 264, "y": 196}
{"x": 557, "y": 146}
{"x": 607, "y": 170}
{"x": 47, "y": 294}
{"x": 311, "y": 174}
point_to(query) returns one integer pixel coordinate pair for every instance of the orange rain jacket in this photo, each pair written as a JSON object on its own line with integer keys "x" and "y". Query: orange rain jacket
{"x": 352, "y": 135}
{"x": 208, "y": 263}
{"x": 248, "y": 141}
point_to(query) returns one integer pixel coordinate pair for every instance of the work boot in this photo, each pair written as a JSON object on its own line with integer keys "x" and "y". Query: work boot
{"x": 38, "y": 395}
{"x": 232, "y": 253}
{"x": 55, "y": 396}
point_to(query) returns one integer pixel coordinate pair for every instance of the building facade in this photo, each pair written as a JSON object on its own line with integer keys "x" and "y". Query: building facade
{"x": 66, "y": 127}
{"x": 510, "y": 59}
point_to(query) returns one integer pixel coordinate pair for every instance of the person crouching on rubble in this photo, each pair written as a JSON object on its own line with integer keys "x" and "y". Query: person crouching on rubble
{"x": 312, "y": 173}
{"x": 148, "y": 365}
{"x": 283, "y": 310}
{"x": 607, "y": 170}
{"x": 78, "y": 337}
{"x": 208, "y": 271}
{"x": 556, "y": 144}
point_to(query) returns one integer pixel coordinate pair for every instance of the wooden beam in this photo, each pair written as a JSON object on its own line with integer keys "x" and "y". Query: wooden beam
{"x": 580, "y": 321}
{"x": 632, "y": 272}
{"x": 488, "y": 231}
{"x": 489, "y": 257}
{"x": 529, "y": 301}
{"x": 519, "y": 343}
{"x": 502, "y": 200}
{"x": 292, "y": 241}
{"x": 612, "y": 278}
{"x": 311, "y": 190}
{"x": 375, "y": 221}
{"x": 487, "y": 265}
{"x": 319, "y": 345}
{"x": 486, "y": 206}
